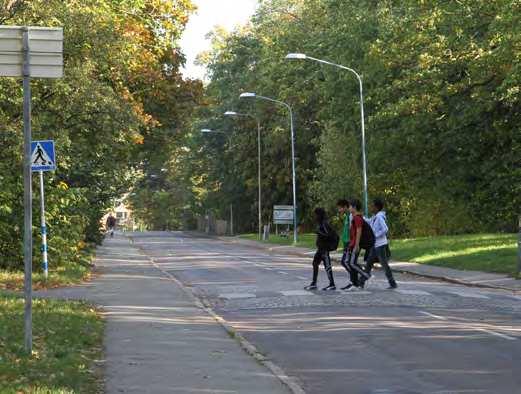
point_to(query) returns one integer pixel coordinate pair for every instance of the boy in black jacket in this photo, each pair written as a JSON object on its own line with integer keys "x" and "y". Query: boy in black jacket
{"x": 324, "y": 232}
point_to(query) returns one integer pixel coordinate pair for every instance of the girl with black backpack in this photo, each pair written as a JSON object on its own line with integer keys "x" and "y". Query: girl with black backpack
{"x": 327, "y": 240}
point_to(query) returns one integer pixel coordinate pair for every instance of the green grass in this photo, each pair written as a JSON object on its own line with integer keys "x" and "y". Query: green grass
{"x": 67, "y": 338}
{"x": 480, "y": 252}
{"x": 61, "y": 276}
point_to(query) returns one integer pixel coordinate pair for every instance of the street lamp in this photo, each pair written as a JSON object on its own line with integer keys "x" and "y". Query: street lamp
{"x": 236, "y": 114}
{"x": 210, "y": 131}
{"x": 256, "y": 96}
{"x": 302, "y": 56}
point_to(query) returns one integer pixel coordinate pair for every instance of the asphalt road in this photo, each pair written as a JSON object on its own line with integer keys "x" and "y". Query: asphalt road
{"x": 425, "y": 337}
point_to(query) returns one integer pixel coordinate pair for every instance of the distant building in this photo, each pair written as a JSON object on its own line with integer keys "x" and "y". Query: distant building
{"x": 123, "y": 215}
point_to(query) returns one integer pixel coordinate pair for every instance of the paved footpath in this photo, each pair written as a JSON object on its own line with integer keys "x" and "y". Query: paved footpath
{"x": 157, "y": 339}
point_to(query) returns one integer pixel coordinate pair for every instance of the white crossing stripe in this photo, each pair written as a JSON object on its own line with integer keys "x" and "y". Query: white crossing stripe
{"x": 297, "y": 293}
{"x": 413, "y": 292}
{"x": 467, "y": 295}
{"x": 358, "y": 292}
{"x": 302, "y": 278}
{"x": 234, "y": 296}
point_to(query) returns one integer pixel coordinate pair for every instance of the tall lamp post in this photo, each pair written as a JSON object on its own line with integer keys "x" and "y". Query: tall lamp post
{"x": 236, "y": 114}
{"x": 210, "y": 131}
{"x": 301, "y": 56}
{"x": 256, "y": 96}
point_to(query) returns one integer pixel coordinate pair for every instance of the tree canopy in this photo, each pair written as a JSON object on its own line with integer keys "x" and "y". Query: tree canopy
{"x": 122, "y": 96}
{"x": 442, "y": 84}
{"x": 442, "y": 98}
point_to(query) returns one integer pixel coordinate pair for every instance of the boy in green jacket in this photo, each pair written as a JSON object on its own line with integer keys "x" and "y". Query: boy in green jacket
{"x": 343, "y": 209}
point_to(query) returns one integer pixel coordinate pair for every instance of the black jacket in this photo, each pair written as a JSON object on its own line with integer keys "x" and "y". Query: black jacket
{"x": 323, "y": 232}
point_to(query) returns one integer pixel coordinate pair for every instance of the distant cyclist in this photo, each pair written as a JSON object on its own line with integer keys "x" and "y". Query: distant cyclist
{"x": 111, "y": 225}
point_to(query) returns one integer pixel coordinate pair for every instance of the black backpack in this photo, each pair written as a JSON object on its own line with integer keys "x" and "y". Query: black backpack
{"x": 332, "y": 239}
{"x": 367, "y": 239}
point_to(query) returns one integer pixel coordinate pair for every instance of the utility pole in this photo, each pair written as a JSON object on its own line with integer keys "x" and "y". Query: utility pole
{"x": 519, "y": 248}
{"x": 28, "y": 197}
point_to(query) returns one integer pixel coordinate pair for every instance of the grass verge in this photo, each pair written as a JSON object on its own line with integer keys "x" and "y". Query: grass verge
{"x": 66, "y": 275}
{"x": 495, "y": 253}
{"x": 478, "y": 252}
{"x": 67, "y": 339}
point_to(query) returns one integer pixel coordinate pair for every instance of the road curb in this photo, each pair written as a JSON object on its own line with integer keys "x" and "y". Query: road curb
{"x": 257, "y": 245}
{"x": 453, "y": 280}
{"x": 289, "y": 381}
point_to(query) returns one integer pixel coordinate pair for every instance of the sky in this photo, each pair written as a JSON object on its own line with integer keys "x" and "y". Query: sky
{"x": 211, "y": 13}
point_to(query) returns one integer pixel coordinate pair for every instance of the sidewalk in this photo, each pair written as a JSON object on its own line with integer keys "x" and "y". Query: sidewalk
{"x": 468, "y": 278}
{"x": 157, "y": 339}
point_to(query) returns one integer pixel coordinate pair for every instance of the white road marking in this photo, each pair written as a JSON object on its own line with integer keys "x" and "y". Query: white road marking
{"x": 283, "y": 273}
{"x": 296, "y": 293}
{"x": 413, "y": 292}
{"x": 234, "y": 296}
{"x": 490, "y": 332}
{"x": 433, "y": 316}
{"x": 302, "y": 278}
{"x": 497, "y": 334}
{"x": 467, "y": 295}
{"x": 356, "y": 292}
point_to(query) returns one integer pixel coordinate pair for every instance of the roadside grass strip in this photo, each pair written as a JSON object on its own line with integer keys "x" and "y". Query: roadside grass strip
{"x": 68, "y": 275}
{"x": 67, "y": 339}
{"x": 476, "y": 252}
{"x": 496, "y": 253}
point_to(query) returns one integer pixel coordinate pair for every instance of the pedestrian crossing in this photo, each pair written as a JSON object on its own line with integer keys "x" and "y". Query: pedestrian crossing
{"x": 304, "y": 293}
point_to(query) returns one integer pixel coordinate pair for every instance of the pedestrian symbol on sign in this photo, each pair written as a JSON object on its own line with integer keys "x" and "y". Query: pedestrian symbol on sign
{"x": 38, "y": 158}
{"x": 42, "y": 156}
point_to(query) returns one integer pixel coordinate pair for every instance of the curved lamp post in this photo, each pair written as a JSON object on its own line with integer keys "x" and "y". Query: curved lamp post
{"x": 302, "y": 56}
{"x": 237, "y": 114}
{"x": 256, "y": 96}
{"x": 210, "y": 131}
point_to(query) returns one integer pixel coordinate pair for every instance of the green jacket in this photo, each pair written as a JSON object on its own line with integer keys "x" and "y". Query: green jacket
{"x": 345, "y": 230}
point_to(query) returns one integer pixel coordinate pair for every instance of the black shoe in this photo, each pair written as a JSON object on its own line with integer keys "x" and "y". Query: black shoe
{"x": 311, "y": 287}
{"x": 348, "y": 287}
{"x": 392, "y": 286}
{"x": 329, "y": 288}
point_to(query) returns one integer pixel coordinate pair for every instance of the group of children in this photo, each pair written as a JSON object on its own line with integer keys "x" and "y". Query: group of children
{"x": 357, "y": 234}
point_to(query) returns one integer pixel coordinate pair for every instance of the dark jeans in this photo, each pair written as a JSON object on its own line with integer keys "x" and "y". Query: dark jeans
{"x": 380, "y": 254}
{"x": 350, "y": 263}
{"x": 322, "y": 256}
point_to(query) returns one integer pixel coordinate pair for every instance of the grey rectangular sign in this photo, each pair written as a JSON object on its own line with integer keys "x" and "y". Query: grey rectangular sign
{"x": 45, "y": 51}
{"x": 283, "y": 214}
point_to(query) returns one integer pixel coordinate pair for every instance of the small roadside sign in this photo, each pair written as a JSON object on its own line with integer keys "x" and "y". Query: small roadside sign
{"x": 42, "y": 156}
{"x": 283, "y": 214}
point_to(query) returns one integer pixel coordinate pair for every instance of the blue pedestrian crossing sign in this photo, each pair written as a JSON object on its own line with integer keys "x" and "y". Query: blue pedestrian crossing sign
{"x": 42, "y": 156}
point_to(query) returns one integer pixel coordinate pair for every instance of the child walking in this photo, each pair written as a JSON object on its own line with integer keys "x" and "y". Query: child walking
{"x": 326, "y": 238}
{"x": 355, "y": 242}
{"x": 380, "y": 251}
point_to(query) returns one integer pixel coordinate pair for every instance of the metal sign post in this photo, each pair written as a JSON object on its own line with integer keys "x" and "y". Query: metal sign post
{"x": 45, "y": 262}
{"x": 28, "y": 200}
{"x": 29, "y": 52}
{"x": 43, "y": 159}
{"x": 231, "y": 219}
{"x": 519, "y": 249}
